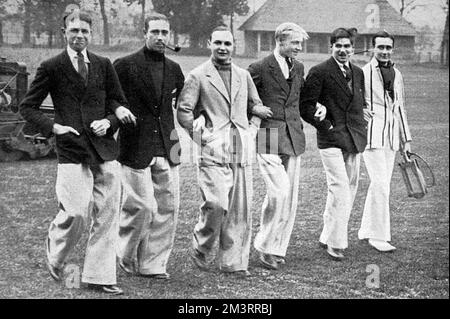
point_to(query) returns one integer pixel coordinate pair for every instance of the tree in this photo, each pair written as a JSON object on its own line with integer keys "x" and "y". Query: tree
{"x": 142, "y": 3}
{"x": 408, "y": 6}
{"x": 2, "y": 18}
{"x": 445, "y": 38}
{"x": 105, "y": 22}
{"x": 26, "y": 7}
{"x": 46, "y": 18}
{"x": 232, "y": 7}
{"x": 42, "y": 16}
{"x": 198, "y": 17}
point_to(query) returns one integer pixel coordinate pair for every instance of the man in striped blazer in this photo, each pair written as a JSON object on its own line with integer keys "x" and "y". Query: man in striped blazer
{"x": 388, "y": 132}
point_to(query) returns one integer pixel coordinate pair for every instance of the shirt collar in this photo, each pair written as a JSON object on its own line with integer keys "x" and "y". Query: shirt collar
{"x": 279, "y": 57}
{"x": 73, "y": 54}
{"x": 341, "y": 65}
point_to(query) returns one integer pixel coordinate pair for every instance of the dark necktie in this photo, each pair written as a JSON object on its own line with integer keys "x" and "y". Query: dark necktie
{"x": 349, "y": 77}
{"x": 348, "y": 73}
{"x": 82, "y": 69}
{"x": 388, "y": 74}
{"x": 290, "y": 66}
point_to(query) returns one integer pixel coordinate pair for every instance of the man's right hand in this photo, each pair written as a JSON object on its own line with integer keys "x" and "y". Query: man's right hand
{"x": 125, "y": 116}
{"x": 59, "y": 129}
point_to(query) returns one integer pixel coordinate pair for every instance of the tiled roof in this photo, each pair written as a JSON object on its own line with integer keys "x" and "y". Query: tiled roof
{"x": 323, "y": 16}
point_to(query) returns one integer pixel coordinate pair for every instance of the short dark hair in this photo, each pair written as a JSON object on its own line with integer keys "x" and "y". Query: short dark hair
{"x": 155, "y": 16}
{"x": 221, "y": 28}
{"x": 382, "y": 34}
{"x": 76, "y": 14}
{"x": 343, "y": 33}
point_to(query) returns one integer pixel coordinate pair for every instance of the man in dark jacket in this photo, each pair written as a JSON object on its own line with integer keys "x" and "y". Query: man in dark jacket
{"x": 341, "y": 137}
{"x": 281, "y": 141}
{"x": 86, "y": 92}
{"x": 149, "y": 154}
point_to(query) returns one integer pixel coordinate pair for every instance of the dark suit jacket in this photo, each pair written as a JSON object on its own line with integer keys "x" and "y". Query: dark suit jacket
{"x": 274, "y": 92}
{"x": 136, "y": 142}
{"x": 76, "y": 104}
{"x": 326, "y": 84}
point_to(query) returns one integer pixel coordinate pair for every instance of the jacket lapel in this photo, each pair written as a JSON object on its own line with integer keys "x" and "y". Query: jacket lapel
{"x": 295, "y": 86}
{"x": 169, "y": 81}
{"x": 235, "y": 82}
{"x": 338, "y": 76}
{"x": 213, "y": 75}
{"x": 377, "y": 70}
{"x": 94, "y": 70}
{"x": 277, "y": 73}
{"x": 70, "y": 72}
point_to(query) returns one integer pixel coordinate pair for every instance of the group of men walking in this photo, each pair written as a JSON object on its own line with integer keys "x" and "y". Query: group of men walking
{"x": 232, "y": 114}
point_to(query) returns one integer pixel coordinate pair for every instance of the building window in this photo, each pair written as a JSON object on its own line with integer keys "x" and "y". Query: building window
{"x": 267, "y": 41}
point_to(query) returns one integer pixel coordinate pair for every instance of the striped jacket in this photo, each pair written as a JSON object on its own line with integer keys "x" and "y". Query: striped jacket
{"x": 389, "y": 125}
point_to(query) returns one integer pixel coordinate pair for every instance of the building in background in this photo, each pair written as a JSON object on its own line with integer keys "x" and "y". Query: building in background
{"x": 319, "y": 18}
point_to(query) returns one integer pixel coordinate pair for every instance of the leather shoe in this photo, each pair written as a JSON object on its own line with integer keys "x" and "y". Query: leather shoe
{"x": 125, "y": 268}
{"x": 162, "y": 276}
{"x": 199, "y": 259}
{"x": 335, "y": 253}
{"x": 322, "y": 245}
{"x": 381, "y": 245}
{"x": 112, "y": 290}
{"x": 268, "y": 261}
{"x": 55, "y": 272}
{"x": 279, "y": 259}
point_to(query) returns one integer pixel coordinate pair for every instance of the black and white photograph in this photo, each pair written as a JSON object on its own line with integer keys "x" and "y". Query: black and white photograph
{"x": 224, "y": 154}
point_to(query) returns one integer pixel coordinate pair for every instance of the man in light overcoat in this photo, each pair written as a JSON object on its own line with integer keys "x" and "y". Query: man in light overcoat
{"x": 214, "y": 108}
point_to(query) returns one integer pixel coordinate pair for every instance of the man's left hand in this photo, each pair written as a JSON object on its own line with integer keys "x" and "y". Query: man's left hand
{"x": 262, "y": 111}
{"x": 100, "y": 127}
{"x": 321, "y": 112}
{"x": 125, "y": 116}
{"x": 368, "y": 114}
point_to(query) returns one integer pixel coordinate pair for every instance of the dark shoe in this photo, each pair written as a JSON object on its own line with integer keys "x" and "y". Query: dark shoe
{"x": 55, "y": 273}
{"x": 268, "y": 261}
{"x": 239, "y": 273}
{"x": 163, "y": 276}
{"x": 112, "y": 290}
{"x": 335, "y": 253}
{"x": 125, "y": 268}
{"x": 279, "y": 259}
{"x": 322, "y": 245}
{"x": 199, "y": 259}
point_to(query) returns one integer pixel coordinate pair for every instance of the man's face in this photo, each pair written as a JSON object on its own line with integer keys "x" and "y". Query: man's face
{"x": 342, "y": 49}
{"x": 291, "y": 46}
{"x": 383, "y": 49}
{"x": 77, "y": 34}
{"x": 221, "y": 46}
{"x": 157, "y": 35}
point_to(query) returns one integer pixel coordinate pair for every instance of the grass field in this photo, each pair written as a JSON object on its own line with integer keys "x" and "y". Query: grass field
{"x": 420, "y": 228}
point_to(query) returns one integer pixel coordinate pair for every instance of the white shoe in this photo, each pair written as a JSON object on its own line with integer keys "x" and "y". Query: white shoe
{"x": 381, "y": 245}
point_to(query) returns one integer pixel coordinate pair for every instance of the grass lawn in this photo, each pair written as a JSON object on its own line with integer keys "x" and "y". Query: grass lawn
{"x": 418, "y": 269}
